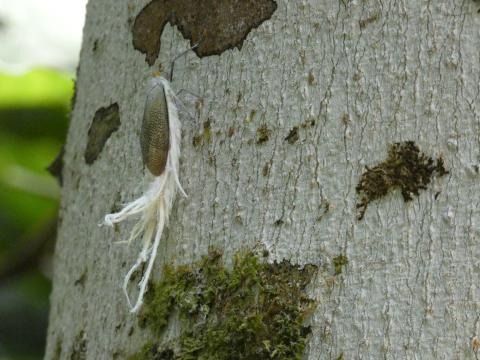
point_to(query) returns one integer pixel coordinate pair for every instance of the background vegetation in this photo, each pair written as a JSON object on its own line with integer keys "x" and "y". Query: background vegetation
{"x": 34, "y": 110}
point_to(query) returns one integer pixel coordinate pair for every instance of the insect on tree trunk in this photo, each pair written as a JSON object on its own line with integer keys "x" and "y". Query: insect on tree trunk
{"x": 332, "y": 172}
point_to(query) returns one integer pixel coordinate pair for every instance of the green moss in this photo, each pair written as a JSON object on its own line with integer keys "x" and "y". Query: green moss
{"x": 339, "y": 262}
{"x": 58, "y": 350}
{"x": 151, "y": 351}
{"x": 79, "y": 349}
{"x": 255, "y": 310}
{"x": 405, "y": 168}
{"x": 207, "y": 131}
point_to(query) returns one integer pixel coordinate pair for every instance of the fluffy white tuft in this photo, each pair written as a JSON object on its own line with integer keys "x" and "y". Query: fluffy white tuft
{"x": 156, "y": 203}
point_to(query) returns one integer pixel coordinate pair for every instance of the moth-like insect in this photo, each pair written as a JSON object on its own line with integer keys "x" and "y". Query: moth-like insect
{"x": 160, "y": 144}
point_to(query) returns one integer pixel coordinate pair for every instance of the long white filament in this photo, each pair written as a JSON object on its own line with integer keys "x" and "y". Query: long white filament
{"x": 155, "y": 205}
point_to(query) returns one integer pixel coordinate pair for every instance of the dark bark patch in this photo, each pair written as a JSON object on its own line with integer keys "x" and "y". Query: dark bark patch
{"x": 205, "y": 137}
{"x": 217, "y": 25}
{"x": 73, "y": 100}
{"x": 339, "y": 262}
{"x": 56, "y": 167}
{"x": 371, "y": 19}
{"x": 105, "y": 122}
{"x": 82, "y": 279}
{"x": 308, "y": 123}
{"x": 263, "y": 134}
{"x": 405, "y": 168}
{"x": 292, "y": 136}
{"x": 95, "y": 45}
{"x": 197, "y": 141}
{"x": 266, "y": 169}
{"x": 324, "y": 210}
{"x": 311, "y": 78}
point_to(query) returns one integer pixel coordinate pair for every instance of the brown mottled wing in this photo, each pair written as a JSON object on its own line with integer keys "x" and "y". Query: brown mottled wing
{"x": 154, "y": 137}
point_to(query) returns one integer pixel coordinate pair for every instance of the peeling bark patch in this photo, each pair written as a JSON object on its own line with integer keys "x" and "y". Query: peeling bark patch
{"x": 217, "y": 25}
{"x": 405, "y": 168}
{"x": 105, "y": 122}
{"x": 254, "y": 310}
{"x": 56, "y": 167}
{"x": 292, "y": 136}
{"x": 79, "y": 350}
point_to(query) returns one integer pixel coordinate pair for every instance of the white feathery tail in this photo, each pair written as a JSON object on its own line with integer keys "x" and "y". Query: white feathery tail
{"x": 155, "y": 204}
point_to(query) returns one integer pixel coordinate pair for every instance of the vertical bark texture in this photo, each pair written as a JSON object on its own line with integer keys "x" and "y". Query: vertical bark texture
{"x": 287, "y": 126}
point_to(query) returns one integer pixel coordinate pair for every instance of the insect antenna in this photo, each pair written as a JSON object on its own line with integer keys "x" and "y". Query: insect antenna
{"x": 179, "y": 56}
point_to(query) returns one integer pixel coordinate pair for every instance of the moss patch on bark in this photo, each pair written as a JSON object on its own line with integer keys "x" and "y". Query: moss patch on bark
{"x": 406, "y": 168}
{"x": 253, "y": 310}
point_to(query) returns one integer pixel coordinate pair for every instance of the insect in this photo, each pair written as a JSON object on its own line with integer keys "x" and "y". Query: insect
{"x": 160, "y": 144}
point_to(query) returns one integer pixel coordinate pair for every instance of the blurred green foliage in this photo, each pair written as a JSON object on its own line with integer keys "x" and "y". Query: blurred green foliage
{"x": 34, "y": 110}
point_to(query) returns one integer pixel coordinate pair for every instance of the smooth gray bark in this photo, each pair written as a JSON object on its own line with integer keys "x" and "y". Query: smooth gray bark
{"x": 368, "y": 74}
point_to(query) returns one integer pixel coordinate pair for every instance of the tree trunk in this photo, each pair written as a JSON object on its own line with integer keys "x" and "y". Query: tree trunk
{"x": 292, "y": 139}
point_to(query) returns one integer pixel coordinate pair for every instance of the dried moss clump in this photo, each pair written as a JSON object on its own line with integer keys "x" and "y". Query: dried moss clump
{"x": 405, "y": 168}
{"x": 253, "y": 311}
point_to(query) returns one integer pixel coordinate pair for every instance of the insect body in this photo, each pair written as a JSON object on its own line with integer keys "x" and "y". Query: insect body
{"x": 160, "y": 143}
{"x": 155, "y": 134}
